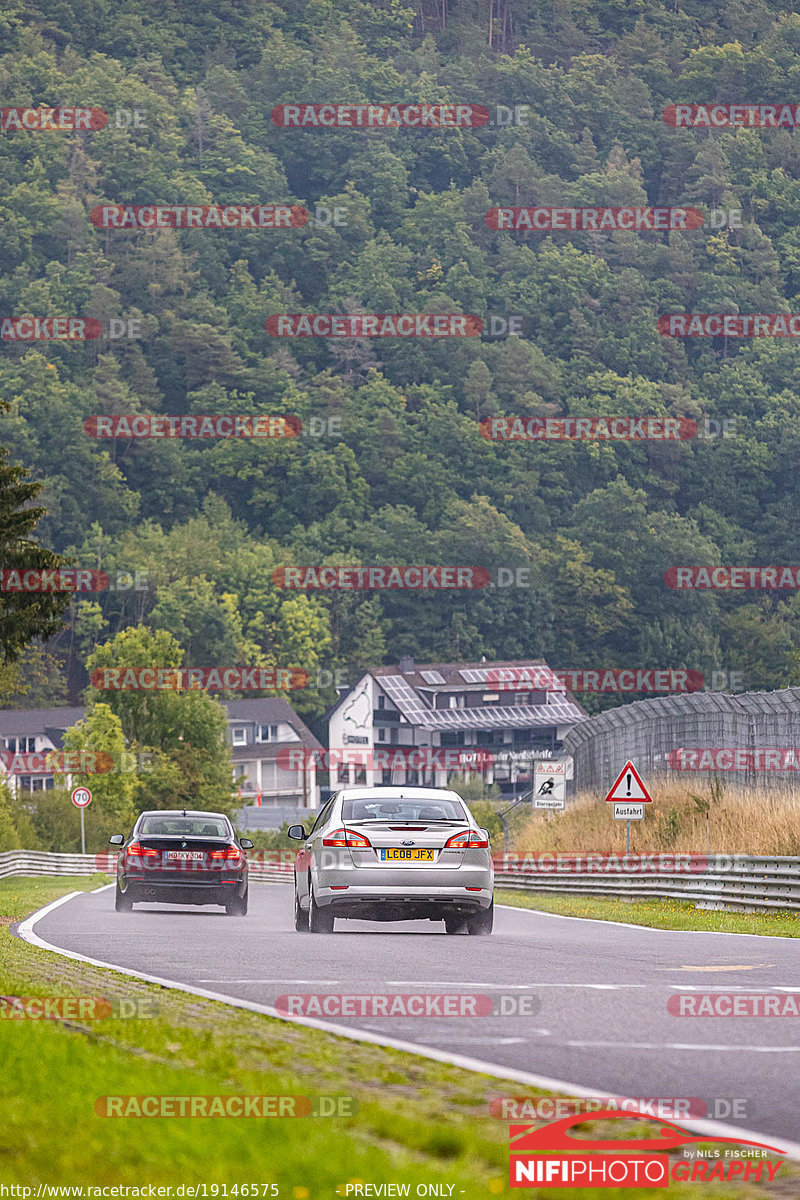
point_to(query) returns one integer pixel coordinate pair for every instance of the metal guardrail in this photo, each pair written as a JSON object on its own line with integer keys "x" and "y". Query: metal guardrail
{"x": 743, "y": 882}
{"x": 45, "y": 862}
{"x": 747, "y": 883}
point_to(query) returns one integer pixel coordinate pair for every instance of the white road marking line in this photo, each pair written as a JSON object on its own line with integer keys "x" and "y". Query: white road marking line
{"x": 487, "y": 1041}
{"x": 25, "y": 930}
{"x": 247, "y": 979}
{"x": 682, "y": 1046}
{"x": 508, "y": 986}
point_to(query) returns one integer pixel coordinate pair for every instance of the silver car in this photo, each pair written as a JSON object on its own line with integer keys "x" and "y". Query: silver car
{"x": 394, "y": 854}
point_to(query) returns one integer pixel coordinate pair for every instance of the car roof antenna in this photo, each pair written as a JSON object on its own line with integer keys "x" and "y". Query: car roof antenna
{"x": 183, "y": 814}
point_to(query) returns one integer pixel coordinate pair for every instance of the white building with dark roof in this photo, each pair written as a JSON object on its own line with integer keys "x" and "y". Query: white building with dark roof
{"x": 425, "y": 724}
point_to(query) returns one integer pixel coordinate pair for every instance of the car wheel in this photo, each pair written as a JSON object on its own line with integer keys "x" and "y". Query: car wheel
{"x": 237, "y": 907}
{"x": 122, "y": 902}
{"x": 453, "y": 924}
{"x": 320, "y": 920}
{"x": 300, "y": 914}
{"x": 482, "y": 922}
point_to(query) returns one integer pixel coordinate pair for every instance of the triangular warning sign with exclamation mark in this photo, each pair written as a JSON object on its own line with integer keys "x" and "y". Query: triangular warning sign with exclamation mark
{"x": 628, "y": 786}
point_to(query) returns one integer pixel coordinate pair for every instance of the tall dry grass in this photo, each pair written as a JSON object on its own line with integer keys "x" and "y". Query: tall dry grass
{"x": 740, "y": 820}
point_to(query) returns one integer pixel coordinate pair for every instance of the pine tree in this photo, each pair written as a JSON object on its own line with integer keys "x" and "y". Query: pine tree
{"x": 24, "y": 616}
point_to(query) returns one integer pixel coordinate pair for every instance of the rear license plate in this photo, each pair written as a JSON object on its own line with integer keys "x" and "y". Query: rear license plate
{"x": 185, "y": 855}
{"x": 394, "y": 853}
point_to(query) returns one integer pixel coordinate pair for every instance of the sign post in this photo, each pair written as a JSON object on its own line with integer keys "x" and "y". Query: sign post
{"x": 81, "y": 797}
{"x": 629, "y": 796}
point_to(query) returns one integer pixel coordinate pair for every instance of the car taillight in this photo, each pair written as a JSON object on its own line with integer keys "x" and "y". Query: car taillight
{"x": 346, "y": 837}
{"x": 468, "y": 840}
{"x": 136, "y": 850}
{"x": 232, "y": 852}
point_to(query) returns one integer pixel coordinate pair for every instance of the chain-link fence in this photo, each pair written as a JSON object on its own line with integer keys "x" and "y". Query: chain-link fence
{"x": 651, "y": 732}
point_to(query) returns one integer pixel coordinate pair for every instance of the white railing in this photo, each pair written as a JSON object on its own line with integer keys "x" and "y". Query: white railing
{"x": 746, "y": 882}
{"x": 45, "y": 862}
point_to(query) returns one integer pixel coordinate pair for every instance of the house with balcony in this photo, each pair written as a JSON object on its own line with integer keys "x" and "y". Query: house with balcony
{"x": 426, "y": 724}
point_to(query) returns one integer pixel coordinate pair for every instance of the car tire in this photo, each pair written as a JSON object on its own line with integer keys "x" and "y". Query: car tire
{"x": 300, "y": 914}
{"x": 320, "y": 920}
{"x": 482, "y": 923}
{"x": 454, "y": 924}
{"x": 237, "y": 907}
{"x": 122, "y": 902}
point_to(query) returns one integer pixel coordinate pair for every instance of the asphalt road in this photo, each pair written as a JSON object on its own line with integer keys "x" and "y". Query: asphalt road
{"x": 602, "y": 1019}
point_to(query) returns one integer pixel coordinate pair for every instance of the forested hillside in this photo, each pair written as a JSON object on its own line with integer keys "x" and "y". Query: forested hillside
{"x": 402, "y": 472}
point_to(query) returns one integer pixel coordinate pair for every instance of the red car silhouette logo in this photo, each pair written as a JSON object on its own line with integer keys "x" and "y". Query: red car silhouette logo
{"x": 528, "y": 1139}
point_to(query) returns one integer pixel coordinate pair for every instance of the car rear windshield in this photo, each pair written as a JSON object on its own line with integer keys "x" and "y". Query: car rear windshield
{"x": 184, "y": 827}
{"x": 403, "y": 810}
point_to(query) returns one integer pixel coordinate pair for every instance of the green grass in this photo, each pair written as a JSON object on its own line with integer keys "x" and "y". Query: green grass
{"x": 418, "y": 1121}
{"x": 658, "y": 914}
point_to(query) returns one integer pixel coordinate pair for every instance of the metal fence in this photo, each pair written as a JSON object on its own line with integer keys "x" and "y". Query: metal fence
{"x": 747, "y": 883}
{"x": 44, "y": 862}
{"x": 649, "y": 730}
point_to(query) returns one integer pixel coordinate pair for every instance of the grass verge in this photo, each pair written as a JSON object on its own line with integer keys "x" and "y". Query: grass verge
{"x": 658, "y": 914}
{"x": 418, "y": 1122}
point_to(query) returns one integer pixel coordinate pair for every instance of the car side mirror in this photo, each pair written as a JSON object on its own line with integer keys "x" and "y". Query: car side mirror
{"x": 246, "y": 844}
{"x": 297, "y": 832}
{"x": 116, "y": 840}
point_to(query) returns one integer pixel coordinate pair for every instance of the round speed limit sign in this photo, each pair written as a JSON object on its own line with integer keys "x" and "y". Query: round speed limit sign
{"x": 81, "y": 797}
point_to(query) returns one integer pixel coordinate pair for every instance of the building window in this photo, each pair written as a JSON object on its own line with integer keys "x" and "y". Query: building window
{"x": 21, "y": 745}
{"x": 413, "y": 778}
{"x": 522, "y": 698}
{"x": 268, "y": 733}
{"x": 381, "y": 702}
{"x": 381, "y": 735}
{"x": 239, "y": 737}
{"x": 361, "y": 775}
{"x": 395, "y": 733}
{"x": 386, "y": 778}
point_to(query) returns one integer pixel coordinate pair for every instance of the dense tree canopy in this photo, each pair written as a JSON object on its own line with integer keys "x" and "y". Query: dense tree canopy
{"x": 402, "y": 472}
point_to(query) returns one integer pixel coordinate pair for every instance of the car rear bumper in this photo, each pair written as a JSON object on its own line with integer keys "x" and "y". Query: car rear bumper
{"x": 402, "y": 903}
{"x": 191, "y": 892}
